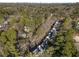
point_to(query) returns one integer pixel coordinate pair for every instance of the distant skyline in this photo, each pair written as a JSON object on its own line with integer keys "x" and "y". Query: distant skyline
{"x": 40, "y": 1}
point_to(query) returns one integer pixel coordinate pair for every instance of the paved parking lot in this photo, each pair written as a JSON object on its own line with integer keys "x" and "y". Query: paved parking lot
{"x": 50, "y": 37}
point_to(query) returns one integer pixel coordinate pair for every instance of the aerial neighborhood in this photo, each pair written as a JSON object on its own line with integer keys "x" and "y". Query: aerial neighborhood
{"x": 39, "y": 30}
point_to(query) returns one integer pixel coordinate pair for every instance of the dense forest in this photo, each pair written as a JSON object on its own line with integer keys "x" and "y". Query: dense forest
{"x": 21, "y": 23}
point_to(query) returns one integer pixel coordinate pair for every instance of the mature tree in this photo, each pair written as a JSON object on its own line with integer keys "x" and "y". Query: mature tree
{"x": 69, "y": 49}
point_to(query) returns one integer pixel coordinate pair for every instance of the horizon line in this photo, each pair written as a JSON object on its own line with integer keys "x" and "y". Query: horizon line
{"x": 39, "y": 2}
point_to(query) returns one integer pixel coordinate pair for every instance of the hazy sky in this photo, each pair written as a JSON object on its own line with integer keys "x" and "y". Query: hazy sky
{"x": 41, "y": 1}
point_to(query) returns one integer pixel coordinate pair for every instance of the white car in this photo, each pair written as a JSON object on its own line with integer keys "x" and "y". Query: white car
{"x": 47, "y": 37}
{"x": 49, "y": 33}
{"x": 40, "y": 48}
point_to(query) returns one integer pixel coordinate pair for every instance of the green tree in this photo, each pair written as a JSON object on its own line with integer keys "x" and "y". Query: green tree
{"x": 58, "y": 45}
{"x": 8, "y": 39}
{"x": 69, "y": 49}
